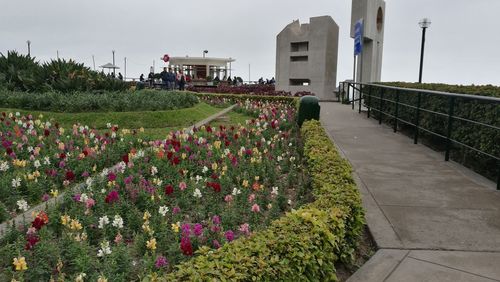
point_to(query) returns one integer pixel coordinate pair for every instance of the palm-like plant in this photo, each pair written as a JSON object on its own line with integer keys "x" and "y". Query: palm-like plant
{"x": 20, "y": 72}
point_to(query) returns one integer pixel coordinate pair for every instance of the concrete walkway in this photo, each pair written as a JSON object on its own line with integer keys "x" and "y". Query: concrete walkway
{"x": 431, "y": 220}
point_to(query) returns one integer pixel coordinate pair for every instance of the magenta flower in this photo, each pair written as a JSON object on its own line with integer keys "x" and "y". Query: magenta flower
{"x": 198, "y": 229}
{"x": 216, "y": 219}
{"x": 229, "y": 235}
{"x": 186, "y": 229}
{"x": 161, "y": 261}
{"x": 176, "y": 210}
{"x": 45, "y": 197}
{"x": 112, "y": 197}
{"x": 216, "y": 244}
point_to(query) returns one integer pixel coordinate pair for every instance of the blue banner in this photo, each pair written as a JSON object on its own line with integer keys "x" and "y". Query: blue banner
{"x": 358, "y": 37}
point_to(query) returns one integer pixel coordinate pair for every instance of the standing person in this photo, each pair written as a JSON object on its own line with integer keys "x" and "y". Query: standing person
{"x": 120, "y": 76}
{"x": 151, "y": 78}
{"x": 141, "y": 78}
{"x": 182, "y": 80}
{"x": 171, "y": 79}
{"x": 164, "y": 78}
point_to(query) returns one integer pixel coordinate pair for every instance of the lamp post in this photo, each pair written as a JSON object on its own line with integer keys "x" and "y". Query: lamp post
{"x": 29, "y": 48}
{"x": 204, "y": 52}
{"x": 424, "y": 24}
{"x": 114, "y": 69}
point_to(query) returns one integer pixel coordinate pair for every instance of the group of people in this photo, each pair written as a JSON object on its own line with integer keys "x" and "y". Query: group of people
{"x": 170, "y": 80}
{"x": 267, "y": 81}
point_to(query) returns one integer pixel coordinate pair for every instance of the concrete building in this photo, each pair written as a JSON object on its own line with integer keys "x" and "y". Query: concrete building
{"x": 199, "y": 68}
{"x": 306, "y": 57}
{"x": 372, "y": 12}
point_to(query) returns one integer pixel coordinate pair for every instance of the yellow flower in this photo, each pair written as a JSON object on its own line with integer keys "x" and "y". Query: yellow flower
{"x": 102, "y": 279}
{"x": 65, "y": 219}
{"x": 183, "y": 156}
{"x": 176, "y": 226}
{"x": 146, "y": 216}
{"x": 54, "y": 193}
{"x": 214, "y": 166}
{"x": 75, "y": 225}
{"x": 245, "y": 183}
{"x": 94, "y": 168}
{"x": 61, "y": 146}
{"x": 217, "y": 144}
{"x": 141, "y": 129}
{"x": 151, "y": 244}
{"x": 20, "y": 264}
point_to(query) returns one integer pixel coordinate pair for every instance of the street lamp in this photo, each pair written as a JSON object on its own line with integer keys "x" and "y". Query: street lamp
{"x": 204, "y": 52}
{"x": 424, "y": 24}
{"x": 29, "y": 50}
{"x": 114, "y": 69}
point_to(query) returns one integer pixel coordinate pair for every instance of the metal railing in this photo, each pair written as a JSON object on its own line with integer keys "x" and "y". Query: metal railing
{"x": 440, "y": 115}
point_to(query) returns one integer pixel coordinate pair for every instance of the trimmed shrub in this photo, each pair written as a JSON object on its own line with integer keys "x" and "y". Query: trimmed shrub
{"x": 305, "y": 244}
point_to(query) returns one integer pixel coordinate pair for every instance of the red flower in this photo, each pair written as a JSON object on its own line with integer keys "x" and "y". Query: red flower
{"x": 169, "y": 189}
{"x": 111, "y": 176}
{"x": 62, "y": 156}
{"x": 125, "y": 158}
{"x": 112, "y": 197}
{"x": 186, "y": 247}
{"x": 214, "y": 185}
{"x": 70, "y": 176}
{"x": 46, "y": 132}
{"x": 40, "y": 220}
{"x": 176, "y": 161}
{"x": 32, "y": 240}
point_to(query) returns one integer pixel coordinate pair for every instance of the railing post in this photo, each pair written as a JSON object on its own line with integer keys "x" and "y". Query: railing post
{"x": 360, "y": 97}
{"x": 369, "y": 104}
{"x": 396, "y": 112}
{"x": 417, "y": 118}
{"x": 381, "y": 105}
{"x": 498, "y": 175}
{"x": 451, "y": 105}
{"x": 353, "y": 95}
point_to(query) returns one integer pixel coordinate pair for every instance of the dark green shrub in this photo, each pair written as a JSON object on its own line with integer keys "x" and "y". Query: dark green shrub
{"x": 21, "y": 72}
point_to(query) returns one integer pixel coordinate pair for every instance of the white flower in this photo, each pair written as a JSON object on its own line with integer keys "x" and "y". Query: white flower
{"x": 163, "y": 210}
{"x": 4, "y": 166}
{"x": 89, "y": 182}
{"x": 80, "y": 277}
{"x": 122, "y": 166}
{"x": 205, "y": 169}
{"x": 154, "y": 170}
{"x": 198, "y": 178}
{"x": 30, "y": 149}
{"x": 140, "y": 154}
{"x": 36, "y": 164}
{"x": 108, "y": 125}
{"x": 92, "y": 135}
{"x": 103, "y": 221}
{"x": 46, "y": 161}
{"x": 290, "y": 144}
{"x": 104, "y": 172}
{"x": 113, "y": 135}
{"x": 275, "y": 191}
{"x": 197, "y": 193}
{"x": 289, "y": 202}
{"x": 118, "y": 222}
{"x": 22, "y": 205}
{"x": 236, "y": 191}
{"x": 18, "y": 114}
{"x": 292, "y": 159}
{"x": 84, "y": 198}
{"x": 279, "y": 158}
{"x": 16, "y": 182}
{"x": 105, "y": 249}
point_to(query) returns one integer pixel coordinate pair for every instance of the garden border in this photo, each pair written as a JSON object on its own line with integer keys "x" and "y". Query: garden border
{"x": 302, "y": 245}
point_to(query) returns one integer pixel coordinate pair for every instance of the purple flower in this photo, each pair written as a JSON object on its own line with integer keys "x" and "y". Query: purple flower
{"x": 85, "y": 174}
{"x": 186, "y": 229}
{"x": 45, "y": 197}
{"x": 229, "y": 235}
{"x": 76, "y": 198}
{"x": 161, "y": 261}
{"x": 129, "y": 179}
{"x": 198, "y": 229}
{"x": 176, "y": 210}
{"x": 216, "y": 219}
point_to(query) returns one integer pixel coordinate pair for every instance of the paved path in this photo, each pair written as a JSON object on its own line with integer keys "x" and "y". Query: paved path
{"x": 431, "y": 220}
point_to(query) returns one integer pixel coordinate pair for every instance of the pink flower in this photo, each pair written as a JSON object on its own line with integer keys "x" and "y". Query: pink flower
{"x": 216, "y": 219}
{"x": 255, "y": 208}
{"x": 90, "y": 203}
{"x": 245, "y": 228}
{"x": 186, "y": 229}
{"x": 198, "y": 229}
{"x": 45, "y": 197}
{"x": 112, "y": 197}
{"x": 228, "y": 198}
{"x": 161, "y": 261}
{"x": 182, "y": 186}
{"x": 251, "y": 198}
{"x": 118, "y": 238}
{"x": 216, "y": 244}
{"x": 176, "y": 210}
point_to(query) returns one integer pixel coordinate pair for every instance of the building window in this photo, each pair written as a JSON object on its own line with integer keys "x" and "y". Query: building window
{"x": 300, "y": 46}
{"x": 300, "y": 82}
{"x": 299, "y": 58}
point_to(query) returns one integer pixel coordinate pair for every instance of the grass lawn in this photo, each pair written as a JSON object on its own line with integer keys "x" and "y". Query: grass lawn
{"x": 230, "y": 119}
{"x": 156, "y": 124}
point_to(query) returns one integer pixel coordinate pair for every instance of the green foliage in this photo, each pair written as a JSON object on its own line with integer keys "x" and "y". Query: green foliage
{"x": 20, "y": 72}
{"x": 231, "y": 98}
{"x": 474, "y": 135}
{"x": 145, "y": 100}
{"x": 303, "y": 245}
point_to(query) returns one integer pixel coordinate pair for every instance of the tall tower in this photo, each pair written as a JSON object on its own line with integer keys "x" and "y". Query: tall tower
{"x": 306, "y": 57}
{"x": 372, "y": 12}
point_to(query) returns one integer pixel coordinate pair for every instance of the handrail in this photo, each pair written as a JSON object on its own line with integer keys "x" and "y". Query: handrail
{"x": 392, "y": 108}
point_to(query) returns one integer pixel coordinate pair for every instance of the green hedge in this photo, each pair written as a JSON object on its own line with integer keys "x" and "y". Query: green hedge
{"x": 75, "y": 102}
{"x": 474, "y": 135}
{"x": 305, "y": 244}
{"x": 243, "y": 97}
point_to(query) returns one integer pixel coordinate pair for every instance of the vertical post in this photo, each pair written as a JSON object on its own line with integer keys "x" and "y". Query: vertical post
{"x": 396, "y": 112}
{"x": 248, "y": 73}
{"x": 29, "y": 48}
{"x": 114, "y": 69}
{"x": 348, "y": 94}
{"x": 498, "y": 175}
{"x": 369, "y": 104}
{"x": 353, "y": 94}
{"x": 93, "y": 61}
{"x": 417, "y": 118}
{"x": 57, "y": 52}
{"x": 451, "y": 104}
{"x": 422, "y": 55}
{"x": 381, "y": 105}
{"x": 360, "y": 97}
{"x": 125, "y": 70}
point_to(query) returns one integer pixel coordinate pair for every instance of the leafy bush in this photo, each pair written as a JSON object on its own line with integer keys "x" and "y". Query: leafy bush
{"x": 97, "y": 101}
{"x": 20, "y": 72}
{"x": 474, "y": 135}
{"x": 247, "y": 89}
{"x": 305, "y": 244}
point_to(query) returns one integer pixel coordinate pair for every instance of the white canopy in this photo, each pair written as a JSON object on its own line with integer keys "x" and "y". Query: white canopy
{"x": 109, "y": 66}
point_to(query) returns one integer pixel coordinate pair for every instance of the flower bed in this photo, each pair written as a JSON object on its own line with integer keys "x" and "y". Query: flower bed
{"x": 304, "y": 244}
{"x": 254, "y": 90}
{"x": 38, "y": 159}
{"x": 195, "y": 190}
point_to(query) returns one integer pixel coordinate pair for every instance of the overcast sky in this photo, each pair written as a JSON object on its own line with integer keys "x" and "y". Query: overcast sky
{"x": 462, "y": 42}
